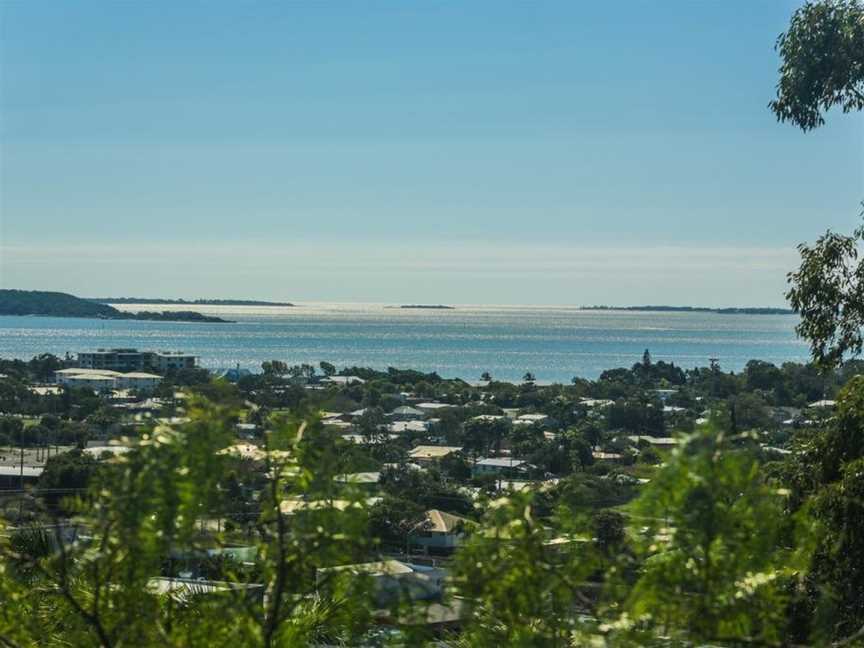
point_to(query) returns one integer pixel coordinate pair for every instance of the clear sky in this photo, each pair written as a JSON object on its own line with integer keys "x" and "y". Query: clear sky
{"x": 458, "y": 152}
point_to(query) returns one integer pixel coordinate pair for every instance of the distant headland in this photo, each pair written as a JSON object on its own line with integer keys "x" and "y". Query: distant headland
{"x": 424, "y": 306}
{"x": 697, "y": 309}
{"x": 185, "y": 302}
{"x": 58, "y": 304}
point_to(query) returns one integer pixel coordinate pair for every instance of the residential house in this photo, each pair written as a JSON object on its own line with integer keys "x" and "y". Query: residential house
{"x": 592, "y": 403}
{"x": 531, "y": 419}
{"x": 488, "y": 418}
{"x": 428, "y": 454}
{"x": 407, "y": 413}
{"x": 430, "y": 408}
{"x": 390, "y": 580}
{"x": 12, "y": 476}
{"x": 612, "y": 457}
{"x": 366, "y": 479}
{"x": 343, "y": 381}
{"x": 660, "y": 442}
{"x": 500, "y": 466}
{"x": 247, "y": 430}
{"x": 440, "y": 532}
{"x": 399, "y": 427}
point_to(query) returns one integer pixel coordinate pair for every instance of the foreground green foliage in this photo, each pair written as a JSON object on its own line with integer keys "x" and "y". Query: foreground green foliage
{"x": 148, "y": 509}
{"x": 725, "y": 540}
{"x": 822, "y": 66}
{"x": 717, "y": 551}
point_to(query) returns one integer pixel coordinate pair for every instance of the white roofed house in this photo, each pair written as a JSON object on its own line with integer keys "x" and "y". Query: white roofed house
{"x": 407, "y": 413}
{"x": 432, "y": 407}
{"x": 592, "y": 403}
{"x": 390, "y": 580}
{"x": 614, "y": 457}
{"x": 45, "y": 390}
{"x": 362, "y": 479}
{"x": 361, "y": 439}
{"x": 665, "y": 394}
{"x": 106, "y": 380}
{"x": 428, "y": 454}
{"x": 500, "y": 466}
{"x": 14, "y": 476}
{"x": 533, "y": 418}
{"x": 488, "y": 418}
{"x": 660, "y": 442}
{"x": 343, "y": 380}
{"x": 106, "y": 451}
{"x": 398, "y": 427}
{"x": 99, "y": 380}
{"x": 439, "y": 532}
{"x": 247, "y": 430}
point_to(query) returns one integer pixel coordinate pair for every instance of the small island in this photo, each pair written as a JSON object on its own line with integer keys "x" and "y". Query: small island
{"x": 57, "y": 304}
{"x": 427, "y": 306}
{"x": 755, "y": 310}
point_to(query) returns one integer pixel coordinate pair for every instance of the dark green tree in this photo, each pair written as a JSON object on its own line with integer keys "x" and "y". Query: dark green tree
{"x": 327, "y": 368}
{"x": 274, "y": 368}
{"x": 826, "y": 478}
{"x": 822, "y": 65}
{"x": 717, "y": 555}
{"x": 822, "y": 62}
{"x": 69, "y": 474}
{"x": 827, "y": 291}
{"x": 609, "y": 531}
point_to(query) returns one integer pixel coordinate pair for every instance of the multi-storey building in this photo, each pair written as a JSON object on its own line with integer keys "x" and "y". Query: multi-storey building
{"x": 164, "y": 361}
{"x": 135, "y": 360}
{"x": 112, "y": 359}
{"x": 105, "y": 380}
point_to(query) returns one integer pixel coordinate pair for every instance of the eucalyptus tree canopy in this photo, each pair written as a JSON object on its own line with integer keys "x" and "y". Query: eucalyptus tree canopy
{"x": 822, "y": 62}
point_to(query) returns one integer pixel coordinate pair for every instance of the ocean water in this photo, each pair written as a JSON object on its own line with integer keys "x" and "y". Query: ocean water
{"x": 554, "y": 343}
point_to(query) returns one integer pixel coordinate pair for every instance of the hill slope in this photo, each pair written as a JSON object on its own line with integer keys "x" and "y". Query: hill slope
{"x": 58, "y": 304}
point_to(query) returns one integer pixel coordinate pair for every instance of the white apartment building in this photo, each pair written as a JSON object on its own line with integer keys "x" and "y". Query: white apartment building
{"x": 127, "y": 359}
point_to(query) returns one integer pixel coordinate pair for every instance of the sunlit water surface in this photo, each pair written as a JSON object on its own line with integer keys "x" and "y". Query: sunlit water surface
{"x": 555, "y": 343}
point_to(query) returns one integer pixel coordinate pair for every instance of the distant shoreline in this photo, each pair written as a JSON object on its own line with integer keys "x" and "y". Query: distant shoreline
{"x": 41, "y": 303}
{"x": 756, "y": 310}
{"x": 185, "y": 302}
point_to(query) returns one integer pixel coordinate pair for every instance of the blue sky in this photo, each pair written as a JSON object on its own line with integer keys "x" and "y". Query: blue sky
{"x": 482, "y": 152}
